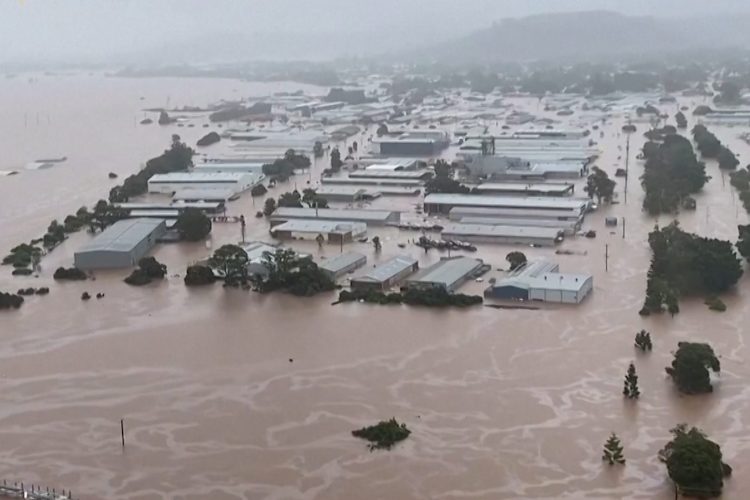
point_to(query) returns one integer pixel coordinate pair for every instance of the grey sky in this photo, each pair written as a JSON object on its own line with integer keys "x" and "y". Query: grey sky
{"x": 94, "y": 29}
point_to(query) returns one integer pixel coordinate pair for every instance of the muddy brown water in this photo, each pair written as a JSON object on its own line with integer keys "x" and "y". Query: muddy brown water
{"x": 502, "y": 403}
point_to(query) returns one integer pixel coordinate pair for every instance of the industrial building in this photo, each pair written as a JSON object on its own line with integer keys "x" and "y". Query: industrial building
{"x": 372, "y": 181}
{"x": 179, "y": 181}
{"x": 569, "y": 228}
{"x": 422, "y": 175}
{"x": 209, "y": 195}
{"x": 256, "y": 251}
{"x": 530, "y": 215}
{"x": 229, "y": 167}
{"x": 120, "y": 245}
{"x": 525, "y": 168}
{"x": 349, "y": 194}
{"x": 208, "y": 207}
{"x": 386, "y": 275}
{"x": 503, "y": 235}
{"x": 368, "y": 216}
{"x": 332, "y": 231}
{"x": 447, "y": 274}
{"x": 443, "y": 203}
{"x": 336, "y": 267}
{"x": 412, "y": 143}
{"x": 542, "y": 281}
{"x": 523, "y": 189}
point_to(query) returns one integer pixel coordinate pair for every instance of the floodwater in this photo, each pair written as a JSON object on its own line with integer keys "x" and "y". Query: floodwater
{"x": 229, "y": 394}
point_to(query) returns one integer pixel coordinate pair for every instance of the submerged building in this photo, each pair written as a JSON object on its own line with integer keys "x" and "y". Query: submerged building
{"x": 332, "y": 231}
{"x": 542, "y": 281}
{"x": 447, "y": 274}
{"x": 387, "y": 274}
{"x": 335, "y": 267}
{"x": 122, "y": 244}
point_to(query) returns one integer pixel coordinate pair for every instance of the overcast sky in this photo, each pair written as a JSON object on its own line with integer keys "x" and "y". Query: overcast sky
{"x": 93, "y": 29}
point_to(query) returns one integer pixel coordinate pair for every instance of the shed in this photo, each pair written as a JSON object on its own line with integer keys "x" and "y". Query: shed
{"x": 335, "y": 267}
{"x": 447, "y": 274}
{"x": 120, "y": 245}
{"x": 386, "y": 275}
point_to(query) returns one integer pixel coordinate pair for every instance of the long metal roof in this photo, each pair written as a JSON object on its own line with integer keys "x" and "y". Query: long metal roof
{"x": 463, "y": 230}
{"x": 342, "y": 261}
{"x": 334, "y": 214}
{"x": 447, "y": 271}
{"x": 321, "y": 226}
{"x": 122, "y": 236}
{"x": 544, "y": 274}
{"x": 388, "y": 269}
{"x": 472, "y": 200}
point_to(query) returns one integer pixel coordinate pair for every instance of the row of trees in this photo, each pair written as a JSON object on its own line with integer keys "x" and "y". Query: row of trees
{"x": 178, "y": 158}
{"x": 10, "y": 301}
{"x": 433, "y": 297}
{"x": 710, "y": 147}
{"x": 686, "y": 264}
{"x": 671, "y": 173}
{"x": 283, "y": 168}
{"x": 444, "y": 181}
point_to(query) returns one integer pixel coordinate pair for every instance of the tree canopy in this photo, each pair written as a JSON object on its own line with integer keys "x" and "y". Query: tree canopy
{"x": 600, "y": 185}
{"x": 231, "y": 262}
{"x": 694, "y": 463}
{"x": 193, "y": 225}
{"x": 690, "y": 367}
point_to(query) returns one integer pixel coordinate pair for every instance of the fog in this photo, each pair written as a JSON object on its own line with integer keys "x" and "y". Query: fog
{"x": 74, "y": 31}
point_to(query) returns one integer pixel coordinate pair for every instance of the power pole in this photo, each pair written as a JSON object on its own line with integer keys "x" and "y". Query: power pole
{"x": 606, "y": 258}
{"x": 627, "y": 164}
{"x": 623, "y": 228}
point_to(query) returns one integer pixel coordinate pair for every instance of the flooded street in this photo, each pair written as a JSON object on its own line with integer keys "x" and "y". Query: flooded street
{"x": 229, "y": 394}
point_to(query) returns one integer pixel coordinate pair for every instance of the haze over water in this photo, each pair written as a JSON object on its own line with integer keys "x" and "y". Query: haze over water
{"x": 229, "y": 394}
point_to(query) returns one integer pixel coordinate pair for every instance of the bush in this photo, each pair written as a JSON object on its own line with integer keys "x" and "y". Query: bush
{"x": 383, "y": 435}
{"x": 715, "y": 304}
{"x": 208, "y": 139}
{"x": 258, "y": 190}
{"x": 70, "y": 274}
{"x": 9, "y": 300}
{"x": 152, "y": 267}
{"x": 138, "y": 278}
{"x": 198, "y": 275}
{"x": 436, "y": 297}
{"x": 193, "y": 225}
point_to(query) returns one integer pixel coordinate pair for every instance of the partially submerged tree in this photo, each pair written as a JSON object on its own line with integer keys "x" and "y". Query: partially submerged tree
{"x": 643, "y": 341}
{"x": 383, "y": 435}
{"x": 231, "y": 262}
{"x": 193, "y": 225}
{"x": 691, "y": 365}
{"x": 630, "y": 390}
{"x": 613, "y": 451}
{"x": 694, "y": 463}
{"x": 516, "y": 259}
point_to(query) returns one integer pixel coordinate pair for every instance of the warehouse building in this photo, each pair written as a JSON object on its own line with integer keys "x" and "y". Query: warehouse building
{"x": 371, "y": 182}
{"x": 573, "y": 215}
{"x": 447, "y": 274}
{"x": 348, "y": 194}
{"x": 332, "y": 231}
{"x": 443, "y": 203}
{"x": 340, "y": 265}
{"x": 524, "y": 189}
{"x": 386, "y": 275}
{"x": 229, "y": 168}
{"x": 422, "y": 175}
{"x": 542, "y": 281}
{"x": 503, "y": 235}
{"x": 120, "y": 245}
{"x": 178, "y": 181}
{"x": 368, "y": 216}
{"x": 412, "y": 143}
{"x": 569, "y": 228}
{"x": 208, "y": 195}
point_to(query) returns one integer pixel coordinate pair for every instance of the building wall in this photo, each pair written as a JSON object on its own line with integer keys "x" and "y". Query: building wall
{"x": 397, "y": 148}
{"x": 112, "y": 259}
{"x": 501, "y": 240}
{"x": 507, "y": 293}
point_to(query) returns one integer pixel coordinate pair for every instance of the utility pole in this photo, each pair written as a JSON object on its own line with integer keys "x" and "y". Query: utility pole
{"x": 623, "y": 228}
{"x": 627, "y": 164}
{"x": 242, "y": 227}
{"x": 606, "y": 258}
{"x": 122, "y": 431}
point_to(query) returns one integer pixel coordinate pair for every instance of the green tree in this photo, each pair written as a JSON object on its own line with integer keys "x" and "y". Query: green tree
{"x": 269, "y": 207}
{"x": 690, "y": 367}
{"x": 727, "y": 160}
{"x": 318, "y": 149}
{"x": 694, "y": 463}
{"x": 681, "y": 120}
{"x": 643, "y": 341}
{"x": 630, "y": 390}
{"x": 231, "y": 262}
{"x": 193, "y": 225}
{"x": 292, "y": 199}
{"x": 600, "y": 185}
{"x": 613, "y": 451}
{"x": 336, "y": 162}
{"x": 377, "y": 244}
{"x": 516, "y": 259}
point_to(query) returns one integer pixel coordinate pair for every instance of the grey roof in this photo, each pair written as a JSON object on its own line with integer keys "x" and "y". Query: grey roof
{"x": 256, "y": 249}
{"x": 508, "y": 221}
{"x": 388, "y": 269}
{"x": 343, "y": 190}
{"x": 544, "y": 274}
{"x": 447, "y": 271}
{"x": 474, "y": 200}
{"x": 342, "y": 261}
{"x": 457, "y": 213}
{"x": 123, "y": 235}
{"x": 198, "y": 177}
{"x": 321, "y": 226}
{"x": 204, "y": 194}
{"x": 520, "y": 187}
{"x": 370, "y": 182}
{"x": 459, "y": 230}
{"x": 387, "y": 174}
{"x": 335, "y": 214}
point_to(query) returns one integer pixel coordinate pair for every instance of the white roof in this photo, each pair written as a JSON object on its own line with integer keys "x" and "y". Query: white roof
{"x": 544, "y": 274}
{"x": 122, "y": 236}
{"x": 473, "y": 200}
{"x": 459, "y": 230}
{"x": 198, "y": 177}
{"x": 320, "y": 226}
{"x": 388, "y": 269}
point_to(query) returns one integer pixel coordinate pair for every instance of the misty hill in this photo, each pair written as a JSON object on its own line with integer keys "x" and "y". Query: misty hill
{"x": 594, "y": 34}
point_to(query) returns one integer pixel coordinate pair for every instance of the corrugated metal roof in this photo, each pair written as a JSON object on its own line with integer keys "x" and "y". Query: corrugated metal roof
{"x": 342, "y": 261}
{"x": 543, "y": 274}
{"x": 505, "y": 201}
{"x": 123, "y": 235}
{"x": 320, "y": 226}
{"x": 388, "y": 269}
{"x": 334, "y": 214}
{"x": 461, "y": 230}
{"x": 447, "y": 271}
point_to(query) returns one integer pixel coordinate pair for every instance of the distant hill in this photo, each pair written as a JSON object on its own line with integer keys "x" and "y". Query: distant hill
{"x": 593, "y": 34}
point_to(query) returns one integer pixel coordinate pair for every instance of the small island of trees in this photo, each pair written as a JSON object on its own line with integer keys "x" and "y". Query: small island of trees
{"x": 690, "y": 367}
{"x": 384, "y": 435}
